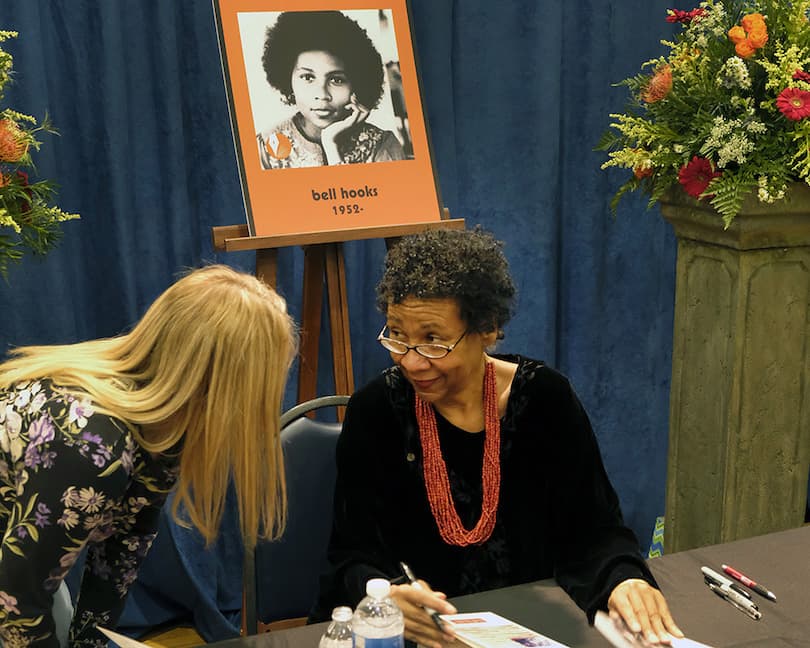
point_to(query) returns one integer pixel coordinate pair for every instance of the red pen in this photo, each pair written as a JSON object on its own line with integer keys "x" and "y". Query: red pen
{"x": 749, "y": 583}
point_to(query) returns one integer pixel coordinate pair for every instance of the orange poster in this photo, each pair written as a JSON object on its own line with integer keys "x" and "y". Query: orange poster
{"x": 327, "y": 115}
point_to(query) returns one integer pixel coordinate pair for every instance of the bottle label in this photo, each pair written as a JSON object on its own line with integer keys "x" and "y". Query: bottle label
{"x": 384, "y": 642}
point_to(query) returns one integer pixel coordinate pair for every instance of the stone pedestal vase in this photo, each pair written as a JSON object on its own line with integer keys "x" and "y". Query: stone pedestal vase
{"x": 739, "y": 437}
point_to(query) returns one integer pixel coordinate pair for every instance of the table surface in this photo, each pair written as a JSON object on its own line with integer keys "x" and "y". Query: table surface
{"x": 779, "y": 561}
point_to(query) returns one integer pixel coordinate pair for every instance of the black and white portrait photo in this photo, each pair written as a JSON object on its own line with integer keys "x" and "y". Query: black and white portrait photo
{"x": 325, "y": 87}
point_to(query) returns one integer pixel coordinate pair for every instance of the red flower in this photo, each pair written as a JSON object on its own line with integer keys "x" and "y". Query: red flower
{"x": 684, "y": 17}
{"x": 696, "y": 176}
{"x": 794, "y": 103}
{"x": 801, "y": 75}
{"x": 22, "y": 178}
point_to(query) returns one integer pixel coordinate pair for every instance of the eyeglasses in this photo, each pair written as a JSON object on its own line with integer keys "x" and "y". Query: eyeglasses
{"x": 432, "y": 351}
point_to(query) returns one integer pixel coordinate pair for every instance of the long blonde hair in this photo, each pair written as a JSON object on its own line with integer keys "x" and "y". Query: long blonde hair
{"x": 206, "y": 365}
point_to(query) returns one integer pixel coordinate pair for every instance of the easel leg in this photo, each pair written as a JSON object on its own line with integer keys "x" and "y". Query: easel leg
{"x": 339, "y": 320}
{"x": 266, "y": 265}
{"x": 311, "y": 322}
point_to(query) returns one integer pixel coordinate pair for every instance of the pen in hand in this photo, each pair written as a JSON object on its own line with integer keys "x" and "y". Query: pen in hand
{"x": 437, "y": 620}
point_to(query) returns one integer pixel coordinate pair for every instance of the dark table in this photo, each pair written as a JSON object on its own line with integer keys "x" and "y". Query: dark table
{"x": 779, "y": 561}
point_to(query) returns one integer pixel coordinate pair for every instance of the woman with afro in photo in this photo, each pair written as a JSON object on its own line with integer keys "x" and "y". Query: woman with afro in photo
{"x": 324, "y": 64}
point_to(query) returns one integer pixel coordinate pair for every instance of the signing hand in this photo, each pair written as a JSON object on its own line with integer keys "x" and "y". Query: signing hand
{"x": 419, "y": 627}
{"x": 356, "y": 113}
{"x": 643, "y": 609}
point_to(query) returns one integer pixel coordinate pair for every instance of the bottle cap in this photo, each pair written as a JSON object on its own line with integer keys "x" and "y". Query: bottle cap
{"x": 342, "y": 613}
{"x": 378, "y": 588}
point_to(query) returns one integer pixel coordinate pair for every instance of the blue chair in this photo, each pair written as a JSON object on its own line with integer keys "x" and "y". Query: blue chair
{"x": 281, "y": 577}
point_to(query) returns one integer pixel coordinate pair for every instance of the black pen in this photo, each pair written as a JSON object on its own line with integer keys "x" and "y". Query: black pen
{"x": 437, "y": 620}
{"x": 742, "y": 604}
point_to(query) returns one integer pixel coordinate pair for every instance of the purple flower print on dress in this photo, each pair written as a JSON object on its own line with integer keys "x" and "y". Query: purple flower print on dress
{"x": 48, "y": 458}
{"x": 101, "y": 457}
{"x": 32, "y": 456}
{"x": 8, "y": 603}
{"x": 41, "y": 518}
{"x": 41, "y": 431}
{"x": 92, "y": 438}
{"x": 22, "y": 532}
{"x": 127, "y": 457}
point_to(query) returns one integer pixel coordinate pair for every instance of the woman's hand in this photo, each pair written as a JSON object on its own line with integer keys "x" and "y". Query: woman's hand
{"x": 357, "y": 113}
{"x": 419, "y": 627}
{"x": 643, "y": 609}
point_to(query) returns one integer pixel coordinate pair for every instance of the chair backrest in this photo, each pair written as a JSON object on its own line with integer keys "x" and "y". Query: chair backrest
{"x": 281, "y": 577}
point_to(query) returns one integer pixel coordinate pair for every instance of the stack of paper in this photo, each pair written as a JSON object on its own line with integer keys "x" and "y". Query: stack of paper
{"x": 488, "y": 630}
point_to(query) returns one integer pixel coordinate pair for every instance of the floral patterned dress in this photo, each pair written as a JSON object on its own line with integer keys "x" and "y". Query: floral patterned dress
{"x": 70, "y": 479}
{"x": 360, "y": 144}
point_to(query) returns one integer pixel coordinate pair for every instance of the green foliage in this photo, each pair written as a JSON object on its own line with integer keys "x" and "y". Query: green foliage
{"x": 734, "y": 90}
{"x": 28, "y": 220}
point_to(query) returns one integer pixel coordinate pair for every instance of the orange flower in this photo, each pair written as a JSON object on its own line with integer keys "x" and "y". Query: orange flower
{"x": 751, "y": 36}
{"x": 659, "y": 86}
{"x": 641, "y": 172}
{"x": 736, "y": 34}
{"x": 752, "y": 21}
{"x": 744, "y": 49}
{"x": 12, "y": 142}
{"x": 758, "y": 36}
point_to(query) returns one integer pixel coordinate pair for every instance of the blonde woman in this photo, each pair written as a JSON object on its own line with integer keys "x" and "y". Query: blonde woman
{"x": 94, "y": 435}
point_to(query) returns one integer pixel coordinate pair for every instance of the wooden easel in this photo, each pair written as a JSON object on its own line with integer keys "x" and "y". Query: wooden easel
{"x": 323, "y": 259}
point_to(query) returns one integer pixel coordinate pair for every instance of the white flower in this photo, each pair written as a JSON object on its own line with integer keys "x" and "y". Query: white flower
{"x": 23, "y": 396}
{"x": 734, "y": 74}
{"x": 80, "y": 411}
{"x": 37, "y": 402}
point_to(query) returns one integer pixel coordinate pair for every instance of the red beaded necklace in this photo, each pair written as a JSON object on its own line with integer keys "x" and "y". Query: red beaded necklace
{"x": 437, "y": 483}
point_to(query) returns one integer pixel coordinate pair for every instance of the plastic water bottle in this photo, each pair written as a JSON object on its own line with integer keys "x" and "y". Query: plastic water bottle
{"x": 339, "y": 632}
{"x": 377, "y": 621}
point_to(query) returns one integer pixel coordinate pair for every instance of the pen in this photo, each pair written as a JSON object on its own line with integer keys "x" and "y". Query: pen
{"x": 722, "y": 581}
{"x": 715, "y": 577}
{"x": 742, "y": 604}
{"x": 759, "y": 589}
{"x": 437, "y": 620}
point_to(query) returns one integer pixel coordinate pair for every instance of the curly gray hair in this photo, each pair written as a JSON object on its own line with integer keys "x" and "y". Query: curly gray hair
{"x": 465, "y": 265}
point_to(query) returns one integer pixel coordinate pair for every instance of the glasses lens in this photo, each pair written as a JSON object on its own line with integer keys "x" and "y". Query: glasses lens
{"x": 433, "y": 351}
{"x": 394, "y": 346}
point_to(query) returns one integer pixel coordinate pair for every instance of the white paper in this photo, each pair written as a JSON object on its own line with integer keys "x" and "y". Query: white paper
{"x": 489, "y": 630}
{"x": 122, "y": 640}
{"x": 621, "y": 636}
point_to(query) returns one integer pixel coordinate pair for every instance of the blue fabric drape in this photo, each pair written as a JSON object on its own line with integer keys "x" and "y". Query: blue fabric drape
{"x": 516, "y": 95}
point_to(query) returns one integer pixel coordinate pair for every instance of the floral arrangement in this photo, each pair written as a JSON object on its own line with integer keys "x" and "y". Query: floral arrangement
{"x": 27, "y": 220}
{"x": 726, "y": 113}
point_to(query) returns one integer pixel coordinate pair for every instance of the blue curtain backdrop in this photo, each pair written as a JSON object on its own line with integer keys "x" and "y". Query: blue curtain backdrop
{"x": 517, "y": 94}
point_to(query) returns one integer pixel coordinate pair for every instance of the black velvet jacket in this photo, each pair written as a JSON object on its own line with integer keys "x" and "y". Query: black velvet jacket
{"x": 558, "y": 514}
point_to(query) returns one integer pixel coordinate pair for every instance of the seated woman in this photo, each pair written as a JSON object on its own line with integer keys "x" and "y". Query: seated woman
{"x": 94, "y": 435}
{"x": 479, "y": 470}
{"x": 324, "y": 64}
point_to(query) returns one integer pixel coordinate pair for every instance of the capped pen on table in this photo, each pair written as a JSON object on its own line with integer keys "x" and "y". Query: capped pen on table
{"x": 725, "y": 589}
{"x": 759, "y": 589}
{"x": 743, "y": 604}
